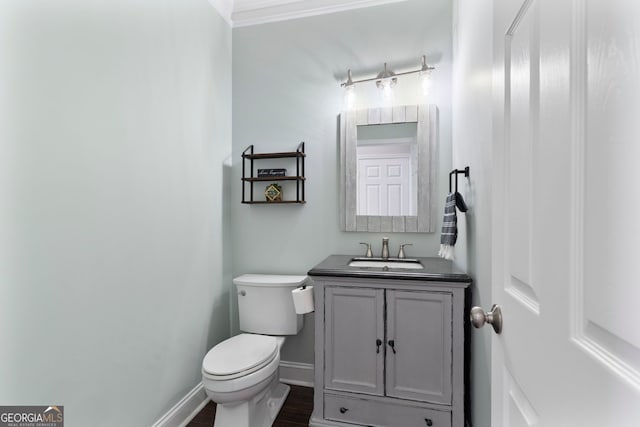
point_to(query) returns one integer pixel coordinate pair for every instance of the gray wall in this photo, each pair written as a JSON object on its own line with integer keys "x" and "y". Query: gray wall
{"x": 286, "y": 78}
{"x": 472, "y": 142}
{"x": 114, "y": 281}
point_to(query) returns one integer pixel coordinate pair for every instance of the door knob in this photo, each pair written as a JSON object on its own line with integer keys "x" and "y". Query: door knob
{"x": 493, "y": 317}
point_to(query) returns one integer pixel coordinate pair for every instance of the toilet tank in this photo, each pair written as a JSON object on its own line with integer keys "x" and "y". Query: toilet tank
{"x": 265, "y": 304}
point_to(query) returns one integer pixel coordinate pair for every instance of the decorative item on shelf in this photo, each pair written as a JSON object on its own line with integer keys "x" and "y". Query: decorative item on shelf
{"x": 271, "y": 172}
{"x": 273, "y": 192}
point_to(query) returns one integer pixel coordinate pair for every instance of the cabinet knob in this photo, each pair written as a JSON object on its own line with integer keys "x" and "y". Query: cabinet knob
{"x": 392, "y": 344}
{"x": 378, "y": 344}
{"x": 428, "y": 421}
{"x": 343, "y": 410}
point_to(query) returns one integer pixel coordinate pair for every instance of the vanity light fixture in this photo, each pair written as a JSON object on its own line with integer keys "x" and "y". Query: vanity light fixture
{"x": 386, "y": 79}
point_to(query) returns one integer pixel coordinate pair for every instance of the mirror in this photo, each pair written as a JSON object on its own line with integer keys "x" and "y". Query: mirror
{"x": 387, "y": 174}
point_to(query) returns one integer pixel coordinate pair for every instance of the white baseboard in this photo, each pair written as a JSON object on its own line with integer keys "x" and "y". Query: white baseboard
{"x": 188, "y": 407}
{"x": 296, "y": 373}
{"x": 185, "y": 410}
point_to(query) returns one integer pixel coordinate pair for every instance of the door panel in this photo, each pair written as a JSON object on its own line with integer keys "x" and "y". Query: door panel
{"x": 564, "y": 225}
{"x": 518, "y": 411}
{"x": 419, "y": 323}
{"x": 608, "y": 71}
{"x": 515, "y": 255}
{"x": 354, "y": 320}
{"x": 521, "y": 110}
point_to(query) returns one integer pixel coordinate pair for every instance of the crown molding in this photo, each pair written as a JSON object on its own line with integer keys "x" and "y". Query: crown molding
{"x": 254, "y": 12}
{"x": 247, "y": 5}
{"x": 224, "y": 8}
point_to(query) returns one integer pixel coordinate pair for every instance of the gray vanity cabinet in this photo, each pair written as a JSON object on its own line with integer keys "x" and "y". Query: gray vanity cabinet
{"x": 388, "y": 353}
{"x": 418, "y": 366}
{"x": 418, "y": 327}
{"x": 354, "y": 333}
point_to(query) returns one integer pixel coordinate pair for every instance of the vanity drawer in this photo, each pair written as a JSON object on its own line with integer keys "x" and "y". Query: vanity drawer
{"x": 381, "y": 414}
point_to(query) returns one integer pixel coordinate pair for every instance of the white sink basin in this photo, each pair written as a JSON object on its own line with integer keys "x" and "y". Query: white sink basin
{"x": 408, "y": 265}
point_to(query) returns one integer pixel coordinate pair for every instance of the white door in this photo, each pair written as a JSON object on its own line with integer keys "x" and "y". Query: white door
{"x": 566, "y": 224}
{"x": 384, "y": 185}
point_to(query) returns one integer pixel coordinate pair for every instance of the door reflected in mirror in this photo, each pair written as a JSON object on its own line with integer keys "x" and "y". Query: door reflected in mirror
{"x": 387, "y": 161}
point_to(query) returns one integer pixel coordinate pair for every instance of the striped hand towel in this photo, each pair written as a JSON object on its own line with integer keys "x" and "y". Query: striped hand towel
{"x": 449, "y": 228}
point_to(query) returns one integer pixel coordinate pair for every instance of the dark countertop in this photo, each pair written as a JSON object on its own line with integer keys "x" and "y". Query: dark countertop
{"x": 435, "y": 269}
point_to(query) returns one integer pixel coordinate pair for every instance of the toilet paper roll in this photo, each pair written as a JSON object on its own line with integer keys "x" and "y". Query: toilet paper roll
{"x": 303, "y": 300}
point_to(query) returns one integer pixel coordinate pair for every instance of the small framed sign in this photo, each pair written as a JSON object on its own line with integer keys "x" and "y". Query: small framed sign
{"x": 271, "y": 172}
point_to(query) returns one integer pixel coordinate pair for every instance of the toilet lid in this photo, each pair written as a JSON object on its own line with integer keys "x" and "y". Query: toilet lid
{"x": 244, "y": 352}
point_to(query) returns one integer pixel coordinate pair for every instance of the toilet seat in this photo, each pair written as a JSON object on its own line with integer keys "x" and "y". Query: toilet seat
{"x": 239, "y": 356}
{"x": 223, "y": 384}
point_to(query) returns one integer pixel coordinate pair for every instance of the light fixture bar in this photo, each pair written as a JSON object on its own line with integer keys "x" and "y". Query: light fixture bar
{"x": 424, "y": 67}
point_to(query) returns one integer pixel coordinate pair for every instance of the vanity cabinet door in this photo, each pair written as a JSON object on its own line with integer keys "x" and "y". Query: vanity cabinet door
{"x": 354, "y": 339}
{"x": 418, "y": 365}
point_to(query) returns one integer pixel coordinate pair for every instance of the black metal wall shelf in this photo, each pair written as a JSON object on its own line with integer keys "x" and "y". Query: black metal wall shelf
{"x": 248, "y": 155}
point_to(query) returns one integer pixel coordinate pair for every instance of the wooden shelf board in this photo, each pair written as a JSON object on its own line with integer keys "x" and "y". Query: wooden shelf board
{"x": 274, "y": 178}
{"x": 274, "y": 155}
{"x": 284, "y": 202}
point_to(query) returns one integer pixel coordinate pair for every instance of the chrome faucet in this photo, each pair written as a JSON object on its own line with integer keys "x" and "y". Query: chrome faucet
{"x": 369, "y": 253}
{"x": 401, "y": 252}
{"x": 385, "y": 247}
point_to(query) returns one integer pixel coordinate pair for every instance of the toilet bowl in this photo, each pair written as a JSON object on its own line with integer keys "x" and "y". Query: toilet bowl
{"x": 241, "y": 374}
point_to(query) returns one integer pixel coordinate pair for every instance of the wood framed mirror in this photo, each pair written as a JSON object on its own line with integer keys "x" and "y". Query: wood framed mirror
{"x": 388, "y": 169}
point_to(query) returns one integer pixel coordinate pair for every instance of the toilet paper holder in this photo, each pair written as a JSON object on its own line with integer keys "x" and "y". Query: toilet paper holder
{"x": 303, "y": 300}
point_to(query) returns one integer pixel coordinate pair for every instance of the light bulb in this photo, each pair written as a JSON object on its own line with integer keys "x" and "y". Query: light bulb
{"x": 350, "y": 96}
{"x": 425, "y": 80}
{"x": 425, "y": 76}
{"x": 386, "y": 90}
{"x": 349, "y": 92}
{"x": 386, "y": 86}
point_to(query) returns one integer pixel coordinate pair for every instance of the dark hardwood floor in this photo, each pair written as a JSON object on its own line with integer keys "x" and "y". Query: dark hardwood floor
{"x": 295, "y": 412}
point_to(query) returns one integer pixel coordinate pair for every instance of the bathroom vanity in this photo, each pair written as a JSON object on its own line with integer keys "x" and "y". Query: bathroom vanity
{"x": 389, "y": 343}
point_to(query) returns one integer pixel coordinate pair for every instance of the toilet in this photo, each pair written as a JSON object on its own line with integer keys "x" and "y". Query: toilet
{"x": 241, "y": 373}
